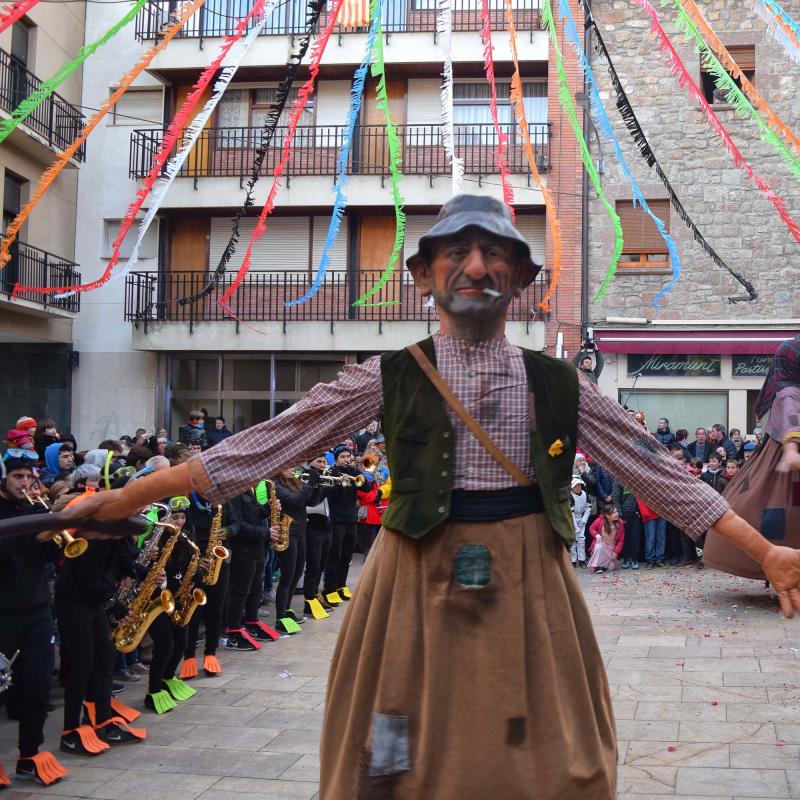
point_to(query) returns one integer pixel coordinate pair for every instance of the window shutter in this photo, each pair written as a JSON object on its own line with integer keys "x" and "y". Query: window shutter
{"x": 417, "y": 226}
{"x": 338, "y": 253}
{"x": 533, "y": 227}
{"x": 743, "y": 54}
{"x": 639, "y": 230}
{"x": 140, "y": 108}
{"x": 284, "y": 246}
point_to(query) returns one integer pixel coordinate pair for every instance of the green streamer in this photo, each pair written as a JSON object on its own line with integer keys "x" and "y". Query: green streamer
{"x": 37, "y": 97}
{"x": 568, "y": 105}
{"x": 733, "y": 94}
{"x": 378, "y": 70}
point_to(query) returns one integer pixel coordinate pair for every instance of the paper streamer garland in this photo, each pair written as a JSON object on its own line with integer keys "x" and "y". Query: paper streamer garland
{"x": 785, "y": 19}
{"x": 306, "y": 90}
{"x": 17, "y": 10}
{"x": 607, "y": 130}
{"x": 162, "y": 177}
{"x": 444, "y": 35}
{"x": 733, "y": 94}
{"x": 640, "y": 140}
{"x": 518, "y": 104}
{"x": 715, "y": 44}
{"x": 395, "y": 160}
{"x": 343, "y": 158}
{"x": 779, "y": 31}
{"x": 46, "y": 88}
{"x": 678, "y": 69}
{"x": 568, "y": 105}
{"x": 62, "y": 159}
{"x": 502, "y": 136}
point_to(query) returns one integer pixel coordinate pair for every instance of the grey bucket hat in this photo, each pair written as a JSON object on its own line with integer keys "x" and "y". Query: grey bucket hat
{"x": 486, "y": 213}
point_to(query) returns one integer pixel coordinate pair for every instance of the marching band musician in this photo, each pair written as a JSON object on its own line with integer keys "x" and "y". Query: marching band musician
{"x": 84, "y": 594}
{"x": 318, "y": 543}
{"x": 26, "y": 624}
{"x": 200, "y": 516}
{"x": 343, "y": 502}
{"x": 469, "y": 640}
{"x": 294, "y": 496}
{"x": 169, "y": 639}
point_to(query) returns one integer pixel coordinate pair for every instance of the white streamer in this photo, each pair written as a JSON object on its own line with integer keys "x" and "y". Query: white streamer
{"x": 229, "y": 67}
{"x": 444, "y": 32}
{"x": 776, "y": 31}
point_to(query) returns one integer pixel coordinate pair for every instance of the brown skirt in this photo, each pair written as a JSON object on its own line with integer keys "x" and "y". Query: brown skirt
{"x": 440, "y": 691}
{"x": 767, "y": 499}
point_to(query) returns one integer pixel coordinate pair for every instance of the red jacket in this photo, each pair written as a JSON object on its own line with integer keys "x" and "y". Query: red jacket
{"x": 375, "y": 501}
{"x": 597, "y": 527}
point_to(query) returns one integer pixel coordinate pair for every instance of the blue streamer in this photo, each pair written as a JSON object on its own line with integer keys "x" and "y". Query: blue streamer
{"x": 779, "y": 12}
{"x": 340, "y": 203}
{"x": 608, "y": 133}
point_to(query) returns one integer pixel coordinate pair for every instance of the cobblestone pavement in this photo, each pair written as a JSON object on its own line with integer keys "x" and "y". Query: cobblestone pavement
{"x": 703, "y": 672}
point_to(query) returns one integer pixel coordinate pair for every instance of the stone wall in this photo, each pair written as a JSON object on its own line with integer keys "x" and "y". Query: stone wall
{"x": 731, "y": 213}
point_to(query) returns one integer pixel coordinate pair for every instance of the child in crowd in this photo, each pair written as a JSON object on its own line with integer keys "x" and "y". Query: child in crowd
{"x": 581, "y": 508}
{"x": 731, "y": 470}
{"x": 714, "y": 476}
{"x": 608, "y": 538}
{"x": 695, "y": 466}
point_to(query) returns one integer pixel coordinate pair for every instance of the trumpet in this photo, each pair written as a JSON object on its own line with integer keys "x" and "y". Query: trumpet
{"x": 72, "y": 547}
{"x": 369, "y": 462}
{"x": 326, "y": 479}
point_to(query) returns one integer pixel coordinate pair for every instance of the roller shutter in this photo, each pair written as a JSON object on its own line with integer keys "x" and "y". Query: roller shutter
{"x": 284, "y": 246}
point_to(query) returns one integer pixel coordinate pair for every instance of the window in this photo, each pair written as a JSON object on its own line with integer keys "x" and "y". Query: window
{"x": 139, "y": 108}
{"x": 12, "y": 197}
{"x": 745, "y": 57}
{"x": 471, "y": 103}
{"x": 21, "y": 42}
{"x": 248, "y": 108}
{"x": 149, "y": 246}
{"x": 643, "y": 247}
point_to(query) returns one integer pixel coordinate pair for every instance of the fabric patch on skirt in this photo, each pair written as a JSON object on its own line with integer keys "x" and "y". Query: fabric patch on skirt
{"x": 773, "y": 523}
{"x": 390, "y": 749}
{"x": 473, "y": 566}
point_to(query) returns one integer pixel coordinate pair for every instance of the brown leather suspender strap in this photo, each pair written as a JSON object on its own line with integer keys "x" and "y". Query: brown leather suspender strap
{"x": 474, "y": 426}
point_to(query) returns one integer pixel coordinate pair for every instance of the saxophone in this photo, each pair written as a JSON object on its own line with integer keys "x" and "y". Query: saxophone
{"x": 127, "y": 592}
{"x": 275, "y": 519}
{"x": 144, "y": 608}
{"x": 215, "y": 552}
{"x": 188, "y": 597}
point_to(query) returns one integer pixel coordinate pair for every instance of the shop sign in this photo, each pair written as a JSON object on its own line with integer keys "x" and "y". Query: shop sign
{"x": 751, "y": 366}
{"x": 674, "y": 366}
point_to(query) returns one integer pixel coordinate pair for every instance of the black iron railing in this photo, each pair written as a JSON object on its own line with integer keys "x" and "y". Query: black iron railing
{"x": 150, "y": 296}
{"x": 31, "y": 266}
{"x": 229, "y": 152}
{"x": 220, "y": 17}
{"x": 54, "y": 120}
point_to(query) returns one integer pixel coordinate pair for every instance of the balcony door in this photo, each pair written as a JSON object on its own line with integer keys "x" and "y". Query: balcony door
{"x": 373, "y": 151}
{"x": 187, "y": 270}
{"x": 375, "y": 243}
{"x": 13, "y": 188}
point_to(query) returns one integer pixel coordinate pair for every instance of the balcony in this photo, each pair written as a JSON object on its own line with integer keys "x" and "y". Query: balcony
{"x": 55, "y": 122}
{"x": 34, "y": 267}
{"x": 219, "y": 18}
{"x": 229, "y": 152}
{"x": 328, "y": 321}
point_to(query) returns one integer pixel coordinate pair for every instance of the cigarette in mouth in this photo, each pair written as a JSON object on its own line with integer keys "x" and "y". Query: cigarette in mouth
{"x": 491, "y": 292}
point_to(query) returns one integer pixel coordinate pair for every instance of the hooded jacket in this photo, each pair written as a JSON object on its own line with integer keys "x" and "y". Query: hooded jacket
{"x": 52, "y": 471}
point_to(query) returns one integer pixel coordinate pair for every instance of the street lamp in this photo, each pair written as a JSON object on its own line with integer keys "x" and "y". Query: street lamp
{"x": 583, "y": 101}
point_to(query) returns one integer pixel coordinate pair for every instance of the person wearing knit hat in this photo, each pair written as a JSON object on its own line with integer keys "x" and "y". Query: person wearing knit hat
{"x": 19, "y": 437}
{"x": 28, "y": 424}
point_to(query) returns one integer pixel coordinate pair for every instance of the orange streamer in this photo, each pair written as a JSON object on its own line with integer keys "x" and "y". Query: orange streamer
{"x": 62, "y": 159}
{"x": 750, "y": 91}
{"x": 519, "y": 113}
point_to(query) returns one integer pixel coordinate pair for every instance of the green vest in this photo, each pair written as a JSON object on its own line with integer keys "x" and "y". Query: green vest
{"x": 420, "y": 441}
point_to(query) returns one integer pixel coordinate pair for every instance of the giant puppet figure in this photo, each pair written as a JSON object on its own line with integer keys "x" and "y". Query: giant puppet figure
{"x": 467, "y": 666}
{"x": 766, "y": 491}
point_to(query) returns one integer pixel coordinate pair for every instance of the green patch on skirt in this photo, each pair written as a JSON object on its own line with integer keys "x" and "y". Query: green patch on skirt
{"x": 473, "y": 566}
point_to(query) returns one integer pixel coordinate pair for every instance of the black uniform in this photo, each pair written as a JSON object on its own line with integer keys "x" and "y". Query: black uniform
{"x": 343, "y": 501}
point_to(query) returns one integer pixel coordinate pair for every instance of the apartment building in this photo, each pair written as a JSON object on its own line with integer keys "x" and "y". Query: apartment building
{"x": 147, "y": 359}
{"x": 698, "y": 359}
{"x": 36, "y": 331}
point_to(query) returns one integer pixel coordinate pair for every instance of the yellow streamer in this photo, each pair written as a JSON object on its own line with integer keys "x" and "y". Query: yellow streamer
{"x": 62, "y": 159}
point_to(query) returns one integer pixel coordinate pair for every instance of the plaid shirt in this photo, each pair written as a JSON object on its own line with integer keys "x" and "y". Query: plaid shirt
{"x": 489, "y": 379}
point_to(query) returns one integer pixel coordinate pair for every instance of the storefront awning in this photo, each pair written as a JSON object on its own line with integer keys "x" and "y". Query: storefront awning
{"x": 746, "y": 342}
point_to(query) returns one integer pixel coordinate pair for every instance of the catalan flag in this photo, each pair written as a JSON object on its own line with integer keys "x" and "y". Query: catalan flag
{"x": 354, "y": 14}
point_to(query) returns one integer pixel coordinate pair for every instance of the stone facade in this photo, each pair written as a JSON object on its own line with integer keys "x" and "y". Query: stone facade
{"x": 729, "y": 210}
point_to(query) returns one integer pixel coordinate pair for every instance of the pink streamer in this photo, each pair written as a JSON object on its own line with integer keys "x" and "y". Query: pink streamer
{"x": 17, "y": 11}
{"x": 307, "y": 89}
{"x": 171, "y": 135}
{"x": 678, "y": 69}
{"x": 502, "y": 137}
